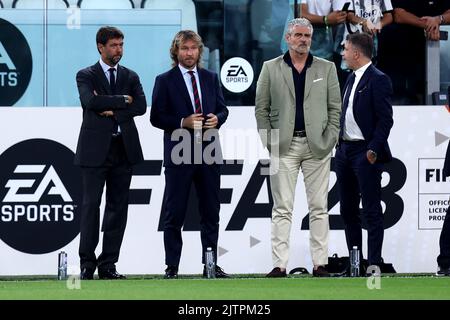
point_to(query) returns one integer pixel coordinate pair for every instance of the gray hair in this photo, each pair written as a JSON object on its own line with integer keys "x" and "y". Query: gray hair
{"x": 303, "y": 22}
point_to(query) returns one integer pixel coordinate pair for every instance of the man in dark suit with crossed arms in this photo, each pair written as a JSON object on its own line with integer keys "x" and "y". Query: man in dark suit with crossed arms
{"x": 366, "y": 121}
{"x": 111, "y": 96}
{"x": 187, "y": 101}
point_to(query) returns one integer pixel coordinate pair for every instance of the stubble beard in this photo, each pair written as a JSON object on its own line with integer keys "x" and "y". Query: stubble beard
{"x": 114, "y": 60}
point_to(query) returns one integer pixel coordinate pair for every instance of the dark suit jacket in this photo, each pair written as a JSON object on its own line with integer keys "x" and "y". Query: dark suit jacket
{"x": 447, "y": 162}
{"x": 171, "y": 103}
{"x": 372, "y": 109}
{"x": 96, "y": 131}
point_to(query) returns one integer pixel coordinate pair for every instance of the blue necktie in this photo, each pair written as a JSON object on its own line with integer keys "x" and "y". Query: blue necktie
{"x": 112, "y": 80}
{"x": 348, "y": 90}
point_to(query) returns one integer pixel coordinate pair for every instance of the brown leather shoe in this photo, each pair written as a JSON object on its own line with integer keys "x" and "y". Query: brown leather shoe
{"x": 276, "y": 273}
{"x": 320, "y": 272}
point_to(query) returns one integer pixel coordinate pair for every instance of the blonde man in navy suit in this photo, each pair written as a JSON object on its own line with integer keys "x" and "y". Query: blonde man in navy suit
{"x": 187, "y": 100}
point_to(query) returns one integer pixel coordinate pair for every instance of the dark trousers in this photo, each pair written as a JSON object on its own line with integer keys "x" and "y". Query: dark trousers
{"x": 359, "y": 180}
{"x": 116, "y": 173}
{"x": 443, "y": 259}
{"x": 206, "y": 179}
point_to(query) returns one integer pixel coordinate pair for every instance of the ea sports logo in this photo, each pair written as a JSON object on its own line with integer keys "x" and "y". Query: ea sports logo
{"x": 236, "y": 75}
{"x": 235, "y": 71}
{"x": 50, "y": 177}
{"x": 15, "y": 64}
{"x": 40, "y": 196}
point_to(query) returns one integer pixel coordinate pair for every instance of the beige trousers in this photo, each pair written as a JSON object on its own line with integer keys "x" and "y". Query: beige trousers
{"x": 316, "y": 174}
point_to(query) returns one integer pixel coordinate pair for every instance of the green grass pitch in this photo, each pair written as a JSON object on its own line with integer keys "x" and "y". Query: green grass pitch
{"x": 256, "y": 287}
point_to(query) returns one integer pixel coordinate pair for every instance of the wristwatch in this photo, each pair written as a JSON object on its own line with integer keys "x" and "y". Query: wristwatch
{"x": 373, "y": 153}
{"x": 127, "y": 99}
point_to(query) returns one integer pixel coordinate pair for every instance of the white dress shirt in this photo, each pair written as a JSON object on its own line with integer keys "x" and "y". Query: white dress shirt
{"x": 106, "y": 68}
{"x": 352, "y": 131}
{"x": 188, "y": 81}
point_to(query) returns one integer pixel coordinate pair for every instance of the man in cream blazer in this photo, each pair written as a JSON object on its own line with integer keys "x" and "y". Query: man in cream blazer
{"x": 298, "y": 105}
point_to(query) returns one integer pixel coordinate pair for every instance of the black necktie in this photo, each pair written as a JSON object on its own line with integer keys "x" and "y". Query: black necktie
{"x": 348, "y": 90}
{"x": 112, "y": 84}
{"x": 112, "y": 80}
{"x": 198, "y": 105}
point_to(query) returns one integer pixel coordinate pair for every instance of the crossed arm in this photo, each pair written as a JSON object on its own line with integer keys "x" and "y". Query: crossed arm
{"x": 122, "y": 107}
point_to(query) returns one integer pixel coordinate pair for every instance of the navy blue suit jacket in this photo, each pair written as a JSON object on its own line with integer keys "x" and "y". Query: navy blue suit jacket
{"x": 372, "y": 109}
{"x": 171, "y": 103}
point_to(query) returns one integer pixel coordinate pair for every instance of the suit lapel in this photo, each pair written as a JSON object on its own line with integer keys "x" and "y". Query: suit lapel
{"x": 311, "y": 74}
{"x": 181, "y": 85}
{"x": 286, "y": 71}
{"x": 121, "y": 77}
{"x": 362, "y": 84}
{"x": 346, "y": 87}
{"x": 204, "y": 89}
{"x": 102, "y": 78}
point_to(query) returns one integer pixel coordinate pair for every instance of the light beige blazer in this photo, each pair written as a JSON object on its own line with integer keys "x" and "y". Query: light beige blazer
{"x": 275, "y": 105}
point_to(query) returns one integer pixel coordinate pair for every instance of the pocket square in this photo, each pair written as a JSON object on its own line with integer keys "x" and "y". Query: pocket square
{"x": 315, "y": 80}
{"x": 359, "y": 91}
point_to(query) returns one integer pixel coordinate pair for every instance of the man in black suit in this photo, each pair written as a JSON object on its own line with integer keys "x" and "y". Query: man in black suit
{"x": 362, "y": 150}
{"x": 443, "y": 259}
{"x": 111, "y": 96}
{"x": 187, "y": 102}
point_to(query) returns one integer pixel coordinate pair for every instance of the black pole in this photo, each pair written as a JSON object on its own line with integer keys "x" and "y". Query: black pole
{"x": 296, "y": 15}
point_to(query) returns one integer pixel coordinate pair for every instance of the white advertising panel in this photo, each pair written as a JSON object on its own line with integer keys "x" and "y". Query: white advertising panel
{"x": 40, "y": 195}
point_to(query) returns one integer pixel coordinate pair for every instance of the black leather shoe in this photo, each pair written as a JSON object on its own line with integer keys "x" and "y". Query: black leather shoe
{"x": 443, "y": 272}
{"x": 219, "y": 273}
{"x": 276, "y": 273}
{"x": 110, "y": 274}
{"x": 373, "y": 270}
{"x": 171, "y": 272}
{"x": 87, "y": 274}
{"x": 320, "y": 272}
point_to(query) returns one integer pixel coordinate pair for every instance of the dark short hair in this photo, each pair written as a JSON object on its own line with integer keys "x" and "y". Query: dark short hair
{"x": 107, "y": 33}
{"x": 183, "y": 36}
{"x": 363, "y": 42}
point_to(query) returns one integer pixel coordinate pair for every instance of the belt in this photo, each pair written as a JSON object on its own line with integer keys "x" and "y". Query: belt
{"x": 352, "y": 141}
{"x": 300, "y": 133}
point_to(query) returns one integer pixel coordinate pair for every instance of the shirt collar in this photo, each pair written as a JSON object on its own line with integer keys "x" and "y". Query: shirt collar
{"x": 184, "y": 70}
{"x": 359, "y": 72}
{"x": 288, "y": 60}
{"x": 105, "y": 67}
